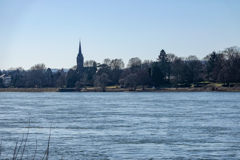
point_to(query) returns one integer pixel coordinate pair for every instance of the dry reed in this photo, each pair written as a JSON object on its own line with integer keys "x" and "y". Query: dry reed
{"x": 19, "y": 150}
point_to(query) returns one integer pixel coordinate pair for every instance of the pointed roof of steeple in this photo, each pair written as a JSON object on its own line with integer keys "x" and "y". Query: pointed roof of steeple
{"x": 80, "y": 49}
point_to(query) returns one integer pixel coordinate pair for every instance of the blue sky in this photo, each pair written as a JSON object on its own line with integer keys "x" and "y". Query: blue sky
{"x": 48, "y": 32}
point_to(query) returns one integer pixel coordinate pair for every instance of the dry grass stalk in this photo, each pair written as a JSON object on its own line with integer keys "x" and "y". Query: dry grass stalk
{"x": 47, "y": 150}
{"x": 35, "y": 150}
{"x": 25, "y": 140}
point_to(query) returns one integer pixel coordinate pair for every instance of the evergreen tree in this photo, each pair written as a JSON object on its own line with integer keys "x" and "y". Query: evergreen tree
{"x": 164, "y": 65}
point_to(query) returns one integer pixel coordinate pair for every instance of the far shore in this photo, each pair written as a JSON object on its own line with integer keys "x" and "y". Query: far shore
{"x": 186, "y": 89}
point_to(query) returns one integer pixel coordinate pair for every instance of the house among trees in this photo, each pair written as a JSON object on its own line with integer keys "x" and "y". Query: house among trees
{"x": 6, "y": 79}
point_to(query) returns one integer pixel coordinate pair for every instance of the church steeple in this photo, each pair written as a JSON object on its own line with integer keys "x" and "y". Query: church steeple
{"x": 80, "y": 49}
{"x": 80, "y": 59}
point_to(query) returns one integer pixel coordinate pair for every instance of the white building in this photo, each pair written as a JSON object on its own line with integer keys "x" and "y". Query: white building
{"x": 6, "y": 79}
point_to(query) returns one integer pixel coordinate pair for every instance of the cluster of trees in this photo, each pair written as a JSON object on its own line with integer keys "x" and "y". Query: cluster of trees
{"x": 38, "y": 76}
{"x": 167, "y": 70}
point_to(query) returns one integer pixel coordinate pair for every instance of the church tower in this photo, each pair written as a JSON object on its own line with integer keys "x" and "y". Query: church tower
{"x": 80, "y": 59}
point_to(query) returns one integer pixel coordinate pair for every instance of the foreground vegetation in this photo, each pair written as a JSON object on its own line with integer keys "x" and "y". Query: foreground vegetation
{"x": 216, "y": 70}
{"x": 21, "y": 146}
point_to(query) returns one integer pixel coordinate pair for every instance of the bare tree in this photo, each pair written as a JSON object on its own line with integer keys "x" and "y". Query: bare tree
{"x": 101, "y": 81}
{"x": 134, "y": 62}
{"x": 107, "y": 62}
{"x": 117, "y": 64}
{"x": 89, "y": 63}
{"x": 36, "y": 77}
{"x": 131, "y": 81}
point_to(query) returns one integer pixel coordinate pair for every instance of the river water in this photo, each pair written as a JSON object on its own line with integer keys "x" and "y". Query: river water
{"x": 184, "y": 125}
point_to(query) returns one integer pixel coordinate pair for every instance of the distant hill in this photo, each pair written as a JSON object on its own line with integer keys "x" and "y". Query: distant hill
{"x": 55, "y": 70}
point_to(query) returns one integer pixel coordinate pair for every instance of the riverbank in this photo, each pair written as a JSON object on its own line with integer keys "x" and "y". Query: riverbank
{"x": 186, "y": 89}
{"x": 28, "y": 89}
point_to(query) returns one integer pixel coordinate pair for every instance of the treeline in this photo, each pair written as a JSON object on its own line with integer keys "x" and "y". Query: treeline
{"x": 167, "y": 70}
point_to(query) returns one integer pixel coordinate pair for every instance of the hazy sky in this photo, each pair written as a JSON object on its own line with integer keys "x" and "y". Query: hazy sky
{"x": 48, "y": 32}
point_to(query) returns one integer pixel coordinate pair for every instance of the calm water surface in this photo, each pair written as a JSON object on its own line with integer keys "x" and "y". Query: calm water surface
{"x": 196, "y": 125}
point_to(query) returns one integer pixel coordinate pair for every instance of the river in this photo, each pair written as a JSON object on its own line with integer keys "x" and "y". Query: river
{"x": 169, "y": 125}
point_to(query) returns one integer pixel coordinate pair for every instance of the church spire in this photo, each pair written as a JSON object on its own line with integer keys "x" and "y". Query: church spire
{"x": 80, "y": 49}
{"x": 80, "y": 58}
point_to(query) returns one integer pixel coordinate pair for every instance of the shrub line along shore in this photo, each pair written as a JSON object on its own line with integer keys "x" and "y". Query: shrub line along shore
{"x": 187, "y": 89}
